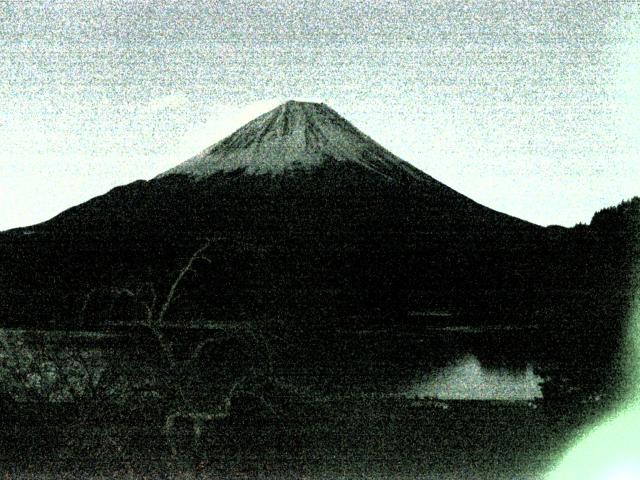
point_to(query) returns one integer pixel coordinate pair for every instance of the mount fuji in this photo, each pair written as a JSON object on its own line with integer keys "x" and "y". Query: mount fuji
{"x": 306, "y": 213}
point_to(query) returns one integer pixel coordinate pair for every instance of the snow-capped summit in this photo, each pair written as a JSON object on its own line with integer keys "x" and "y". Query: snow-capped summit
{"x": 295, "y": 136}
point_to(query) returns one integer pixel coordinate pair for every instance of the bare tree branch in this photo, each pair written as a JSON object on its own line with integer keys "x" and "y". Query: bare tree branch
{"x": 174, "y": 286}
{"x": 156, "y": 308}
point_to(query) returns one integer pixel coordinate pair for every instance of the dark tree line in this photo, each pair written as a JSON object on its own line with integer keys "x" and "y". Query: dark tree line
{"x": 586, "y": 318}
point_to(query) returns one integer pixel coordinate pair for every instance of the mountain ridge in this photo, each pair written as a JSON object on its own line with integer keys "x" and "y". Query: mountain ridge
{"x": 297, "y": 148}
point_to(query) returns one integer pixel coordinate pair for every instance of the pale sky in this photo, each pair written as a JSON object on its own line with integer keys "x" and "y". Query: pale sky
{"x": 531, "y": 108}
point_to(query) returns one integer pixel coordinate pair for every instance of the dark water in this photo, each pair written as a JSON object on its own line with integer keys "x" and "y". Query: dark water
{"x": 474, "y": 433}
{"x": 344, "y": 439}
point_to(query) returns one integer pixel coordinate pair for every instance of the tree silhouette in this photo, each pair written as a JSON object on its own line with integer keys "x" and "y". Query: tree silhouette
{"x": 180, "y": 379}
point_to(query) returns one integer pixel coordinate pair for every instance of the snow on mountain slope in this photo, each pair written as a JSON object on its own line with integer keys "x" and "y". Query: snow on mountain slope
{"x": 296, "y": 136}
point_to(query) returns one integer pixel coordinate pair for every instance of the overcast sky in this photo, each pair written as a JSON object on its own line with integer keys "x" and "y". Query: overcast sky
{"x": 531, "y": 108}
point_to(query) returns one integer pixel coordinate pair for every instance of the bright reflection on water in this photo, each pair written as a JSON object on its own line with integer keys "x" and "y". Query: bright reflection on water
{"x": 467, "y": 379}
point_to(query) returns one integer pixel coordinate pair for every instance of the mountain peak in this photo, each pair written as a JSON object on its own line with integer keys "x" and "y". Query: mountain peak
{"x": 295, "y": 136}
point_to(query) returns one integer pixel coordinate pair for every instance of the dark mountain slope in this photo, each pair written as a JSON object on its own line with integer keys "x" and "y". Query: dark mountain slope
{"x": 303, "y": 203}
